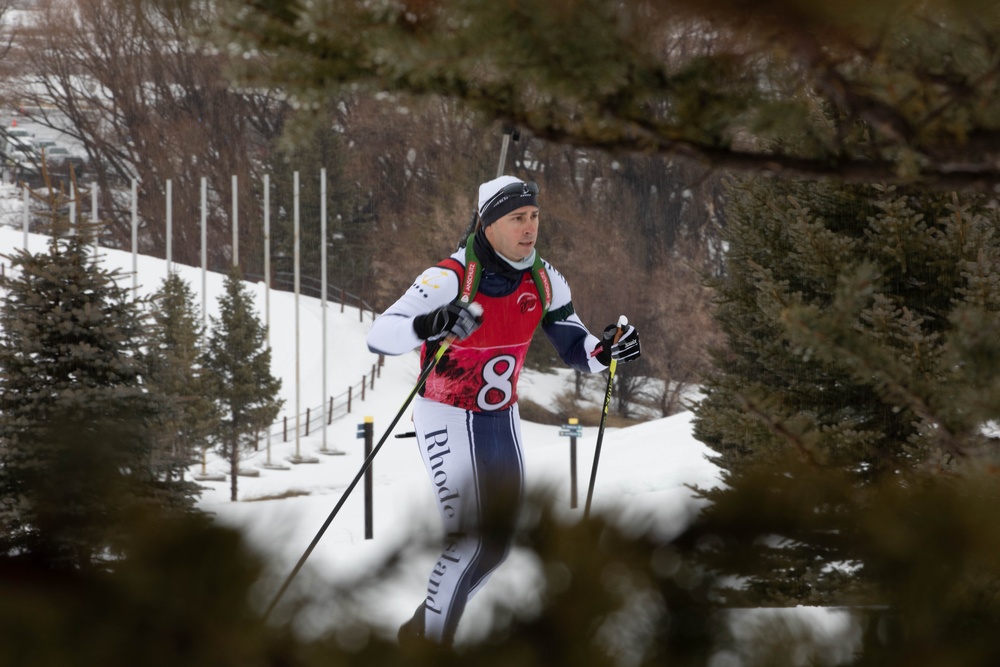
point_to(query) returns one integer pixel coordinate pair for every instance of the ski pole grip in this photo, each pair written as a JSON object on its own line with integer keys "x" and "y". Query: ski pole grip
{"x": 622, "y": 323}
{"x": 477, "y": 311}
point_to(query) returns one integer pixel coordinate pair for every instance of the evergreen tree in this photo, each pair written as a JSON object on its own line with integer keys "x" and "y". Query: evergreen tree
{"x": 189, "y": 415}
{"x": 240, "y": 361}
{"x": 75, "y": 445}
{"x": 857, "y": 322}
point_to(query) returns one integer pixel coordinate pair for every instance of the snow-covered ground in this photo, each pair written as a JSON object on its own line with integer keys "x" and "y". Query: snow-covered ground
{"x": 644, "y": 469}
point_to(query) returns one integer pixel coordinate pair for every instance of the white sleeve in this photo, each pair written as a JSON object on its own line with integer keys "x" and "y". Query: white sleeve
{"x": 392, "y": 331}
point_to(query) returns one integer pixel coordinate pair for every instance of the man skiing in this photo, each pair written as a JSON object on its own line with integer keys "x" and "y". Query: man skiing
{"x": 484, "y": 302}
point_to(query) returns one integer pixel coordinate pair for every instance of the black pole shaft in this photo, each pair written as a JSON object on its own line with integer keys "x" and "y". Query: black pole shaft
{"x": 364, "y": 467}
{"x": 622, "y": 321}
{"x": 572, "y": 472}
{"x": 369, "y": 529}
{"x": 600, "y": 439}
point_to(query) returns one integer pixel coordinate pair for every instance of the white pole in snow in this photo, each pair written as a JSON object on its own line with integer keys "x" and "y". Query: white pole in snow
{"x": 267, "y": 280}
{"x": 135, "y": 238}
{"x": 267, "y": 300}
{"x": 204, "y": 253}
{"x": 298, "y": 458}
{"x": 297, "y": 285}
{"x": 72, "y": 209}
{"x": 236, "y": 224}
{"x": 25, "y": 215}
{"x": 323, "y": 273}
{"x": 267, "y": 261}
{"x": 93, "y": 219}
{"x": 170, "y": 225}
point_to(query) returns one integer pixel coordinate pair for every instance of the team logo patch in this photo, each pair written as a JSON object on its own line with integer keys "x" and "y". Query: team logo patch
{"x": 546, "y": 285}
{"x": 430, "y": 280}
{"x": 527, "y": 302}
{"x": 470, "y": 277}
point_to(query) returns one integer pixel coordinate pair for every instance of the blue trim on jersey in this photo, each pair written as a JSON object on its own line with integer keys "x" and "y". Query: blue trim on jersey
{"x": 570, "y": 338}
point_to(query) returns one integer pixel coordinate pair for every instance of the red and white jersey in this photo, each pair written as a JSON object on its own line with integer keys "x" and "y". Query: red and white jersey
{"x": 480, "y": 373}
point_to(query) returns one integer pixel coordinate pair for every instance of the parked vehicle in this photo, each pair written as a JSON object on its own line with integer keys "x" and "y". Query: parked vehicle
{"x": 55, "y": 155}
{"x": 19, "y": 134}
{"x": 21, "y": 162}
{"x": 61, "y": 157}
{"x": 22, "y": 152}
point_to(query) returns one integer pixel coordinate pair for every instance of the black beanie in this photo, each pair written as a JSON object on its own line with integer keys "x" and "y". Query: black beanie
{"x": 502, "y": 195}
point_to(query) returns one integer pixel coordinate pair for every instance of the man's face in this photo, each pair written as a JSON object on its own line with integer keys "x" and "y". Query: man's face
{"x": 514, "y": 235}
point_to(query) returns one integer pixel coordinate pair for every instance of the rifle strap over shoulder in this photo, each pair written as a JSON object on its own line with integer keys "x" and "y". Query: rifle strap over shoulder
{"x": 469, "y": 275}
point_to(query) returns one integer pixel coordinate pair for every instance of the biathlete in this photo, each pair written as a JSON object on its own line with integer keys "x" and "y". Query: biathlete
{"x": 466, "y": 416}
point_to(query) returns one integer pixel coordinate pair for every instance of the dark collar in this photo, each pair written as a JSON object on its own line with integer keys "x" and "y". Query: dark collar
{"x": 492, "y": 262}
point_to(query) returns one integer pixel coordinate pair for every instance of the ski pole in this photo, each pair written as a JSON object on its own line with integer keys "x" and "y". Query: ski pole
{"x": 622, "y": 322}
{"x": 424, "y": 374}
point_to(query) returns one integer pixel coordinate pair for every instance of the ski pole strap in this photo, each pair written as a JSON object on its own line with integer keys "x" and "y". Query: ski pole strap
{"x": 470, "y": 275}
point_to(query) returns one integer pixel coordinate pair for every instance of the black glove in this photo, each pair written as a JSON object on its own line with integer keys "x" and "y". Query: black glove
{"x": 450, "y": 320}
{"x": 626, "y": 349}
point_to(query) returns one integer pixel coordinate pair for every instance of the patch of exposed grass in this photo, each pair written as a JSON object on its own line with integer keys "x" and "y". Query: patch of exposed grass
{"x": 533, "y": 412}
{"x": 290, "y": 493}
{"x": 566, "y": 407}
